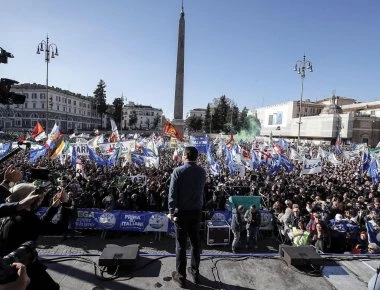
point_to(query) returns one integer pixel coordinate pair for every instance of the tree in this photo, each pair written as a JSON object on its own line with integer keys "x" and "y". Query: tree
{"x": 243, "y": 119}
{"x": 133, "y": 119}
{"x": 117, "y": 115}
{"x": 194, "y": 123}
{"x": 100, "y": 98}
{"x": 207, "y": 120}
{"x": 219, "y": 118}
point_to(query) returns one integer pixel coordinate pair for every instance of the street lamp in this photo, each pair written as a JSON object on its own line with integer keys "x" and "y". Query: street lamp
{"x": 300, "y": 67}
{"x": 47, "y": 47}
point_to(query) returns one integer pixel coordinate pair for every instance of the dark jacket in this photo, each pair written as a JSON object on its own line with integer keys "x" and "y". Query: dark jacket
{"x": 254, "y": 219}
{"x": 27, "y": 226}
{"x": 186, "y": 188}
{"x": 237, "y": 221}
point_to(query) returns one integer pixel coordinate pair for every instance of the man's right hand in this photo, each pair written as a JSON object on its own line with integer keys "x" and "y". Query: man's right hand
{"x": 22, "y": 280}
{"x": 12, "y": 174}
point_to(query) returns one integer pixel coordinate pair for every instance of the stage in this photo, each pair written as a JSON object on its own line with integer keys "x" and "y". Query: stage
{"x": 71, "y": 264}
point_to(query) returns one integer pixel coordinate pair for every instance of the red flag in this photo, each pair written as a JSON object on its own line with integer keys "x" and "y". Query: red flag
{"x": 37, "y": 130}
{"x": 172, "y": 131}
{"x": 230, "y": 142}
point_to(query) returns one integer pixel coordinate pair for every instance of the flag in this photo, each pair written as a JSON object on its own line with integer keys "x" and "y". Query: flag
{"x": 73, "y": 156}
{"x": 255, "y": 160}
{"x": 95, "y": 157}
{"x": 113, "y": 158}
{"x": 115, "y": 133}
{"x": 338, "y": 142}
{"x": 72, "y": 135}
{"x": 366, "y": 160}
{"x": 372, "y": 170}
{"x": 4, "y": 149}
{"x": 332, "y": 158}
{"x": 286, "y": 163}
{"x": 58, "y": 148}
{"x": 294, "y": 155}
{"x": 137, "y": 159}
{"x": 214, "y": 166}
{"x": 53, "y": 136}
{"x": 93, "y": 142}
{"x": 372, "y": 235}
{"x": 171, "y": 130}
{"x": 230, "y": 142}
{"x": 311, "y": 166}
{"x": 37, "y": 153}
{"x": 38, "y": 132}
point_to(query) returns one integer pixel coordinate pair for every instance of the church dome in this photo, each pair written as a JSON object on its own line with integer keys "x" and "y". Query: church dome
{"x": 332, "y": 109}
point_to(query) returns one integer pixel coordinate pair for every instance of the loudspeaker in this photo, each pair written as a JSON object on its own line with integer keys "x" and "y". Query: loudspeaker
{"x": 114, "y": 255}
{"x": 300, "y": 256}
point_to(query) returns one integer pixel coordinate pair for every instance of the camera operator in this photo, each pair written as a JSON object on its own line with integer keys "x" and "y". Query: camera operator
{"x": 27, "y": 226}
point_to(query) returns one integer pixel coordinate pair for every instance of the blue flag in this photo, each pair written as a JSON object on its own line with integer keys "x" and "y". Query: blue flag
{"x": 74, "y": 157}
{"x": 214, "y": 166}
{"x": 372, "y": 170}
{"x": 366, "y": 160}
{"x": 286, "y": 163}
{"x": 4, "y": 149}
{"x": 371, "y": 233}
{"x": 137, "y": 159}
{"x": 95, "y": 157}
{"x": 37, "y": 153}
{"x": 148, "y": 152}
{"x": 113, "y": 158}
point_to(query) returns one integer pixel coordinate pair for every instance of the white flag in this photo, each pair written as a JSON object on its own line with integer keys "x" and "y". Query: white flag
{"x": 311, "y": 166}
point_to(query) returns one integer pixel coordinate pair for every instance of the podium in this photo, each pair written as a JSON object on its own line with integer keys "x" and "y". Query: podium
{"x": 217, "y": 232}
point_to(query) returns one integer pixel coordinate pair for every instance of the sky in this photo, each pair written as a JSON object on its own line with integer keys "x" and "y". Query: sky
{"x": 244, "y": 49}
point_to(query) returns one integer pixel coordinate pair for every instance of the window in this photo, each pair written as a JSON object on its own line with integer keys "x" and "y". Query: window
{"x": 75, "y": 103}
{"x": 75, "y": 110}
{"x": 57, "y": 107}
{"x": 34, "y": 96}
{"x": 372, "y": 113}
{"x": 59, "y": 99}
{"x": 42, "y": 105}
{"x": 56, "y": 98}
{"x": 64, "y": 109}
{"x": 34, "y": 105}
{"x": 69, "y": 110}
{"x": 69, "y": 102}
{"x": 42, "y": 96}
{"x": 26, "y": 105}
{"x": 26, "y": 95}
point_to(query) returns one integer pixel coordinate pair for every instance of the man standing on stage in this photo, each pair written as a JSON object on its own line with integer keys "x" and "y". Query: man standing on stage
{"x": 185, "y": 202}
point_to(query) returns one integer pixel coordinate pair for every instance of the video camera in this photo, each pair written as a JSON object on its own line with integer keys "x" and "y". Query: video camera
{"x": 25, "y": 254}
{"x": 7, "y": 97}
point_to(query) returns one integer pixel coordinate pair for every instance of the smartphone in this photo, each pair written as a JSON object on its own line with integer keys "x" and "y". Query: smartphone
{"x": 40, "y": 173}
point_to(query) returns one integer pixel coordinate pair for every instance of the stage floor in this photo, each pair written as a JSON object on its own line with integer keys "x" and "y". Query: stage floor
{"x": 240, "y": 272}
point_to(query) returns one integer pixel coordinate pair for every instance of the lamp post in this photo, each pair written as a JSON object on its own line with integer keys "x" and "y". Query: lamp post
{"x": 47, "y": 47}
{"x": 300, "y": 67}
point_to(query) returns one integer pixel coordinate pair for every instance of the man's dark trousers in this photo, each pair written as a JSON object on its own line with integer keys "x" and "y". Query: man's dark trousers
{"x": 188, "y": 224}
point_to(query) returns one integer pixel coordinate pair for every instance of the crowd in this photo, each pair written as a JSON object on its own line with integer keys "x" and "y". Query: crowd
{"x": 330, "y": 210}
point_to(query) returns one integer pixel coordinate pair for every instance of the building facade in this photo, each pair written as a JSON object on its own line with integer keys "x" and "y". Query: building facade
{"x": 72, "y": 112}
{"x": 141, "y": 117}
{"x": 323, "y": 121}
{"x": 200, "y": 113}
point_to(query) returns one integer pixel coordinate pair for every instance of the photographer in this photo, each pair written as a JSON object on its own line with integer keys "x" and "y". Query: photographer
{"x": 27, "y": 226}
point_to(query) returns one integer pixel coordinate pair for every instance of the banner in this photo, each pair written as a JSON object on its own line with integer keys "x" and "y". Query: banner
{"x": 200, "y": 143}
{"x": 140, "y": 221}
{"x": 311, "y": 166}
{"x": 105, "y": 148}
{"x": 173, "y": 143}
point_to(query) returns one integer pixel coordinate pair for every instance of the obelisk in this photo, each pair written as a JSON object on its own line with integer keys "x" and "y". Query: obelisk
{"x": 178, "y": 121}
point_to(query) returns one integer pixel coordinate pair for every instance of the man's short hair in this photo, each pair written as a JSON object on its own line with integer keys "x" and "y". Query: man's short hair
{"x": 191, "y": 153}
